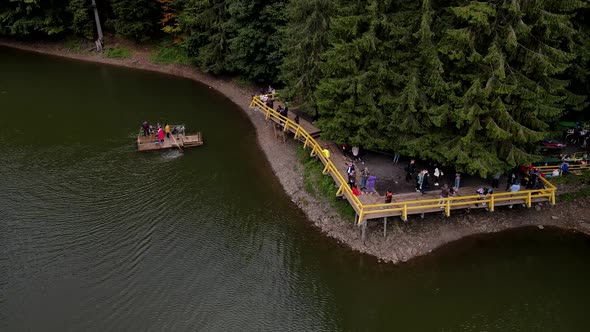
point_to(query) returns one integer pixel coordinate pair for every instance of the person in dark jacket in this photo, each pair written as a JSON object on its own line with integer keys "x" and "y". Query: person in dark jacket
{"x": 410, "y": 170}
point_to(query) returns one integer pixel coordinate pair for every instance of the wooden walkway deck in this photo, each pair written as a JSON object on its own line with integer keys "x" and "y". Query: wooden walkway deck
{"x": 369, "y": 207}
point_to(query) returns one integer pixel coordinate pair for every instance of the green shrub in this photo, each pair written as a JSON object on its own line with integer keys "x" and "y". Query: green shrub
{"x": 572, "y": 196}
{"x": 73, "y": 44}
{"x": 320, "y": 185}
{"x": 117, "y": 53}
{"x": 167, "y": 53}
{"x": 584, "y": 178}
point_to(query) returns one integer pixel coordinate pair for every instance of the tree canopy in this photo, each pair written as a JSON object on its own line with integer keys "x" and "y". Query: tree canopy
{"x": 473, "y": 84}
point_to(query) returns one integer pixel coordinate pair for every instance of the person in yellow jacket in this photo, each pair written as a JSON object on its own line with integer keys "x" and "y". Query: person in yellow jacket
{"x": 167, "y": 130}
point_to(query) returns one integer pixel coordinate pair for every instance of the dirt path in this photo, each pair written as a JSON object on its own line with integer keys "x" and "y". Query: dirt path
{"x": 404, "y": 240}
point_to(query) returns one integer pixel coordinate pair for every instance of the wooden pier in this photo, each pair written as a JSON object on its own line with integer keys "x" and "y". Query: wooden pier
{"x": 406, "y": 204}
{"x": 175, "y": 141}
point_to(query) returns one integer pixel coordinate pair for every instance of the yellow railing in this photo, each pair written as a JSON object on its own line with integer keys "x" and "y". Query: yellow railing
{"x": 446, "y": 204}
{"x": 403, "y": 208}
{"x": 547, "y": 170}
{"x": 316, "y": 150}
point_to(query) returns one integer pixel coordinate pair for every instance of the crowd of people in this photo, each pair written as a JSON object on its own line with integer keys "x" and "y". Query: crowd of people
{"x": 267, "y": 96}
{"x": 367, "y": 183}
{"x": 159, "y": 131}
{"x": 433, "y": 177}
{"x": 428, "y": 178}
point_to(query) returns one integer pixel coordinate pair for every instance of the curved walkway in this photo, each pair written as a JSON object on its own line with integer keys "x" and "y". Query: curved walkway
{"x": 406, "y": 204}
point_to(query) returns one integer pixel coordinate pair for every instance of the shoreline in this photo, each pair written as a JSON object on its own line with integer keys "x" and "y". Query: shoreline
{"x": 404, "y": 241}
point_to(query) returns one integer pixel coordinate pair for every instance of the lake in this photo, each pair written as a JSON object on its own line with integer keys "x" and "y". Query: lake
{"x": 95, "y": 236}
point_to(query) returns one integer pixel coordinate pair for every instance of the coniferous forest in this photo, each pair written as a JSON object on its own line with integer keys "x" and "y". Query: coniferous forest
{"x": 474, "y": 84}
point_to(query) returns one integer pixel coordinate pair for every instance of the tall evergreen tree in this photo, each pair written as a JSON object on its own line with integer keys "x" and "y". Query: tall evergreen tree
{"x": 579, "y": 72}
{"x": 255, "y": 49}
{"x": 207, "y": 33}
{"x": 506, "y": 58}
{"x": 136, "y": 19}
{"x": 471, "y": 84}
{"x": 356, "y": 91}
{"x": 306, "y": 38}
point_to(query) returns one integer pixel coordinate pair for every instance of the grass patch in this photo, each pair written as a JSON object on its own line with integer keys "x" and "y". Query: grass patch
{"x": 117, "y": 52}
{"x": 168, "y": 53}
{"x": 322, "y": 186}
{"x": 73, "y": 44}
{"x": 584, "y": 178}
{"x": 585, "y": 192}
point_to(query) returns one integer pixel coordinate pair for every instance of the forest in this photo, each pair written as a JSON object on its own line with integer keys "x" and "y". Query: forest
{"x": 470, "y": 84}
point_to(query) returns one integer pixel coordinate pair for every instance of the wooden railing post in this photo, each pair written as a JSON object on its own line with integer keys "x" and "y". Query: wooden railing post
{"x": 492, "y": 203}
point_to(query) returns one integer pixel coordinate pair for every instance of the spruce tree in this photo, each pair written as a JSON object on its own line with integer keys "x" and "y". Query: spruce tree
{"x": 579, "y": 72}
{"x": 255, "y": 49}
{"x": 355, "y": 94}
{"x": 135, "y": 19}
{"x": 504, "y": 59}
{"x": 305, "y": 39}
{"x": 207, "y": 33}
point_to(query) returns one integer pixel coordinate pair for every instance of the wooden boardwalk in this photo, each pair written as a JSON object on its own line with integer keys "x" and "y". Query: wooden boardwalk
{"x": 369, "y": 207}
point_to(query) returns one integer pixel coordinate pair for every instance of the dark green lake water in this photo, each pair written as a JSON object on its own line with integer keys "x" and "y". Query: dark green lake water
{"x": 95, "y": 236}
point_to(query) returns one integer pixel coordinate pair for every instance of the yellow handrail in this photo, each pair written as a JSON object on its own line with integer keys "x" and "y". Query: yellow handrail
{"x": 572, "y": 167}
{"x": 364, "y": 211}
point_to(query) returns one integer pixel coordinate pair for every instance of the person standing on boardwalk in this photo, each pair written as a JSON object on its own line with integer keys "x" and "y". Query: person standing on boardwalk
{"x": 496, "y": 180}
{"x": 396, "y": 158}
{"x": 410, "y": 169}
{"x": 457, "y": 180}
{"x": 352, "y": 179}
{"x": 161, "y": 134}
{"x": 425, "y": 181}
{"x": 349, "y": 168}
{"x": 437, "y": 174}
{"x": 371, "y": 184}
{"x": 420, "y": 181}
{"x": 355, "y": 153}
{"x": 444, "y": 193}
{"x": 511, "y": 179}
{"x": 364, "y": 177}
{"x": 146, "y": 128}
{"x": 167, "y": 130}
{"x": 388, "y": 196}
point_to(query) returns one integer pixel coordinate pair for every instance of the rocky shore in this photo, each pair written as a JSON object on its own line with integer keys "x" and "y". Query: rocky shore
{"x": 404, "y": 241}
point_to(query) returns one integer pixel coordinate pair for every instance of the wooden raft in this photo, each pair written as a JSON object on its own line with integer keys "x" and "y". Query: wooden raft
{"x": 147, "y": 143}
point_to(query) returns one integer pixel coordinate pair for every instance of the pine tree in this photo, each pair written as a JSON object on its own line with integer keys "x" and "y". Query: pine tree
{"x": 305, "y": 39}
{"x": 471, "y": 84}
{"x": 356, "y": 93}
{"x": 579, "y": 72}
{"x": 207, "y": 33}
{"x": 256, "y": 49}
{"x": 504, "y": 58}
{"x": 136, "y": 19}
{"x": 420, "y": 103}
